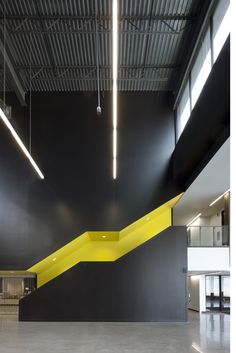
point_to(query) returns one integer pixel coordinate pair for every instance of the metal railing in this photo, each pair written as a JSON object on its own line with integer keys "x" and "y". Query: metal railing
{"x": 208, "y": 236}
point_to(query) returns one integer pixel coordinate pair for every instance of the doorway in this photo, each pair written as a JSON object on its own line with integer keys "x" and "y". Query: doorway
{"x": 218, "y": 293}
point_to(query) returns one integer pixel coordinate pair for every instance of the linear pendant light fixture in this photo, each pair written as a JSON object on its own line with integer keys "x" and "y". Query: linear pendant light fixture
{"x": 114, "y": 74}
{"x": 20, "y": 143}
{"x": 218, "y": 198}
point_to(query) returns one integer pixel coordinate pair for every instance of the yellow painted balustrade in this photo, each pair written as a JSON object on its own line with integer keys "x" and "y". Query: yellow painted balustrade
{"x": 104, "y": 246}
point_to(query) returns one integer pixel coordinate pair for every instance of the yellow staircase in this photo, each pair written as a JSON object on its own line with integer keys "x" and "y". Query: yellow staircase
{"x": 104, "y": 246}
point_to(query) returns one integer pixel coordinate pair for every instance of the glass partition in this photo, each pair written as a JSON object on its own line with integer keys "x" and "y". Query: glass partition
{"x": 225, "y": 293}
{"x": 218, "y": 293}
{"x": 212, "y": 293}
{"x": 12, "y": 289}
{"x": 208, "y": 236}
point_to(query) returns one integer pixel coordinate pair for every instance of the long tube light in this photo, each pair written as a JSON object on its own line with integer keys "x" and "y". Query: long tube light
{"x": 218, "y": 198}
{"x": 194, "y": 219}
{"x": 114, "y": 74}
{"x": 20, "y": 143}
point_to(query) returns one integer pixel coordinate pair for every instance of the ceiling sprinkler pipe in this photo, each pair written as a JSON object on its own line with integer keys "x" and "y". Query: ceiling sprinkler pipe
{"x": 99, "y": 109}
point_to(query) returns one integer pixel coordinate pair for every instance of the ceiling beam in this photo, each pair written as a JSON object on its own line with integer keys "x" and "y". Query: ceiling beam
{"x": 175, "y": 17}
{"x": 85, "y": 32}
{"x": 88, "y": 67}
{"x": 14, "y": 79}
{"x": 46, "y": 38}
{"x": 46, "y": 24}
{"x": 105, "y": 79}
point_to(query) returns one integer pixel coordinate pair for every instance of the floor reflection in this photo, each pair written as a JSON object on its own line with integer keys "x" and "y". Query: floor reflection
{"x": 214, "y": 331}
{"x": 205, "y": 333}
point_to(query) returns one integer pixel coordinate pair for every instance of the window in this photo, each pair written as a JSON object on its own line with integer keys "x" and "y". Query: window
{"x": 221, "y": 26}
{"x": 183, "y": 109}
{"x": 201, "y": 68}
{"x": 203, "y": 62}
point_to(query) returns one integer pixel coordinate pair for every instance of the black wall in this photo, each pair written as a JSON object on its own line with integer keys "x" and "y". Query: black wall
{"x": 148, "y": 284}
{"x": 73, "y": 147}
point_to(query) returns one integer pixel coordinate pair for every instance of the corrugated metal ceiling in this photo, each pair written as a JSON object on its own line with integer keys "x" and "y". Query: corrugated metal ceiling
{"x": 54, "y": 42}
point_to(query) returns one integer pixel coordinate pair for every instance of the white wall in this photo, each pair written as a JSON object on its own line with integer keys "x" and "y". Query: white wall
{"x": 193, "y": 293}
{"x": 208, "y": 259}
{"x": 202, "y": 293}
{"x": 215, "y": 219}
{"x": 197, "y": 293}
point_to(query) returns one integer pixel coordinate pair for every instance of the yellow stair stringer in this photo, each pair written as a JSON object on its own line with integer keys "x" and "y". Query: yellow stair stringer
{"x": 104, "y": 246}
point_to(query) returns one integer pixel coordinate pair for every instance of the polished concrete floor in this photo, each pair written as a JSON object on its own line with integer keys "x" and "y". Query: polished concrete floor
{"x": 206, "y": 333}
